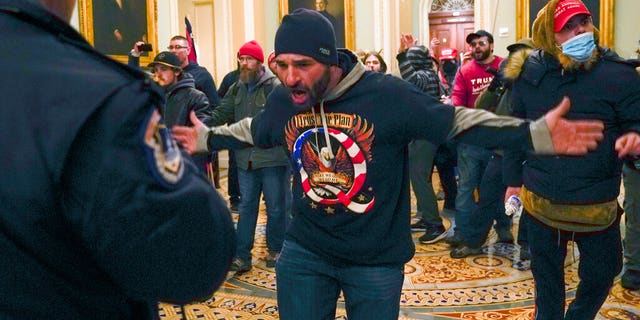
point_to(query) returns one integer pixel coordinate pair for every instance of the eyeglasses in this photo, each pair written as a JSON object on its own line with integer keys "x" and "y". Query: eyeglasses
{"x": 246, "y": 59}
{"x": 573, "y": 24}
{"x": 177, "y": 47}
{"x": 481, "y": 43}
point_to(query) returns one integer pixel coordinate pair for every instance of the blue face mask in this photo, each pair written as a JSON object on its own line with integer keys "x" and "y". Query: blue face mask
{"x": 580, "y": 47}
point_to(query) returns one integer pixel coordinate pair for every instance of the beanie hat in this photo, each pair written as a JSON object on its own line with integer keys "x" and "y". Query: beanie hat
{"x": 565, "y": 10}
{"x": 448, "y": 54}
{"x": 168, "y": 59}
{"x": 252, "y": 49}
{"x": 309, "y": 33}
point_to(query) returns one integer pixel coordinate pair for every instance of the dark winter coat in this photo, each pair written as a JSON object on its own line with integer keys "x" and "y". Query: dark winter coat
{"x": 183, "y": 98}
{"x": 100, "y": 216}
{"x": 242, "y": 101}
{"x": 610, "y": 91}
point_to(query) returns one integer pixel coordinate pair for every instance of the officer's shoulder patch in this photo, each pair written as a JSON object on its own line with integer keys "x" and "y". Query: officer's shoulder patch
{"x": 164, "y": 159}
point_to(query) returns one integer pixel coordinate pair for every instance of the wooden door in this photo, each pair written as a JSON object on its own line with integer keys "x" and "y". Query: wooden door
{"x": 451, "y": 28}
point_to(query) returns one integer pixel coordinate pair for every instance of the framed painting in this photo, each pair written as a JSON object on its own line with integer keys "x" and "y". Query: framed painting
{"x": 601, "y": 10}
{"x": 339, "y": 12}
{"x": 114, "y": 26}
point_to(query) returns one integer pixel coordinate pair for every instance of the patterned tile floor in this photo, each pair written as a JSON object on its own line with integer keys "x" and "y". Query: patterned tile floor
{"x": 488, "y": 286}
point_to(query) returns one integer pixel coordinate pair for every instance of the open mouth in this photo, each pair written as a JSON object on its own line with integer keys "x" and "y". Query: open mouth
{"x": 299, "y": 96}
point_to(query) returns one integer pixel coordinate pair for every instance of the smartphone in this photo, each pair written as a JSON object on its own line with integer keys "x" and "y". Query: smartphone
{"x": 145, "y": 47}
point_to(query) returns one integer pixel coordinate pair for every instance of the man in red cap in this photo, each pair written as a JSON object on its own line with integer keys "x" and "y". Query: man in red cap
{"x": 574, "y": 198}
{"x": 260, "y": 170}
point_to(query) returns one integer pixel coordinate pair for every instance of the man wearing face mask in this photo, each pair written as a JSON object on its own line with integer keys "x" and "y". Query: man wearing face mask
{"x": 574, "y": 198}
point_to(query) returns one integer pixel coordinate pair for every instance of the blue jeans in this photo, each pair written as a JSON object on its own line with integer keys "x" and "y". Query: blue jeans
{"x": 490, "y": 206}
{"x": 472, "y": 162}
{"x": 274, "y": 183}
{"x": 309, "y": 286}
{"x": 631, "y": 180}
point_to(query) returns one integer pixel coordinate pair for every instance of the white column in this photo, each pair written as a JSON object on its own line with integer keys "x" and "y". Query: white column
{"x": 249, "y": 25}
{"x": 225, "y": 58}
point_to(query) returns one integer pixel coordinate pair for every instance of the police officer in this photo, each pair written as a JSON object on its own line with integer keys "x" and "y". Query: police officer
{"x": 100, "y": 214}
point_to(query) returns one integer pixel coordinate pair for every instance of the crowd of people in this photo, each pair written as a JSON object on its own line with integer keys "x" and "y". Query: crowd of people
{"x": 110, "y": 206}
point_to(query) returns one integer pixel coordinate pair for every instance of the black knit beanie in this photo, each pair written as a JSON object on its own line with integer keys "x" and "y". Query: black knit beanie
{"x": 307, "y": 32}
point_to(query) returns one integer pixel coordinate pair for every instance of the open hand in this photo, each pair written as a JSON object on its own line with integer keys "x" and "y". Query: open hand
{"x": 572, "y": 137}
{"x": 188, "y": 136}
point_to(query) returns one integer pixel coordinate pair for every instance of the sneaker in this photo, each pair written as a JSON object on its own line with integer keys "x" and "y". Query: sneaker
{"x": 454, "y": 241}
{"x": 233, "y": 208}
{"x": 432, "y": 234}
{"x": 631, "y": 279}
{"x": 525, "y": 254}
{"x": 440, "y": 195}
{"x": 240, "y": 266}
{"x": 419, "y": 225}
{"x": 504, "y": 235}
{"x": 464, "y": 251}
{"x": 271, "y": 259}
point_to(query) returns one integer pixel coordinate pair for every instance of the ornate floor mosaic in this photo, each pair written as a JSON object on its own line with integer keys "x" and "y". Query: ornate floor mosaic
{"x": 493, "y": 285}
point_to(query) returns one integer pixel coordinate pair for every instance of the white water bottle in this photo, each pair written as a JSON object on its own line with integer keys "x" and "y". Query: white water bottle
{"x": 513, "y": 206}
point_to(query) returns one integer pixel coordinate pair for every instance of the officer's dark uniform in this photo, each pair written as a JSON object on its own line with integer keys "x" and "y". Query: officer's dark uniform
{"x": 100, "y": 216}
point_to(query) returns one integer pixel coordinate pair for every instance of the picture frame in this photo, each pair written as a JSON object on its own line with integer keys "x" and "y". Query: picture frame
{"x": 602, "y": 11}
{"x": 341, "y": 10}
{"x": 113, "y": 27}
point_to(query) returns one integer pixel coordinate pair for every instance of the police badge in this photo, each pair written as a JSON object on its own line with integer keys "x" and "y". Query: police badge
{"x": 162, "y": 153}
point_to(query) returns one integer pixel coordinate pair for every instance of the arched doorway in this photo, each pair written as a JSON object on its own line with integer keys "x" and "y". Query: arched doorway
{"x": 450, "y": 21}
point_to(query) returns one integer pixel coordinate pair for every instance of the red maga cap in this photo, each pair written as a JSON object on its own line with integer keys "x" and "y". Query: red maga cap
{"x": 448, "y": 54}
{"x": 565, "y": 10}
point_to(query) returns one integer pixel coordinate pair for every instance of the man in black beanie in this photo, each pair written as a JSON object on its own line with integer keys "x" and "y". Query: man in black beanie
{"x": 347, "y": 132}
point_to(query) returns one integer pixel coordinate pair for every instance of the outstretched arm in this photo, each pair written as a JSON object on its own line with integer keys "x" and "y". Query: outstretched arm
{"x": 551, "y": 134}
{"x": 196, "y": 139}
{"x": 571, "y": 137}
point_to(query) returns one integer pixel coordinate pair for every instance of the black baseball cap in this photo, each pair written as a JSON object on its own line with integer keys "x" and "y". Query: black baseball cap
{"x": 168, "y": 59}
{"x": 480, "y": 33}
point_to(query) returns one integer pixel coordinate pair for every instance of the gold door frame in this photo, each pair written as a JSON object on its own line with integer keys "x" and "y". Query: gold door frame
{"x": 85, "y": 14}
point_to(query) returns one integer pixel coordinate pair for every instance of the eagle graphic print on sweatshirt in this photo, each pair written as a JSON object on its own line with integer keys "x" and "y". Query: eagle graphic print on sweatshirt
{"x": 333, "y": 180}
{"x": 349, "y": 157}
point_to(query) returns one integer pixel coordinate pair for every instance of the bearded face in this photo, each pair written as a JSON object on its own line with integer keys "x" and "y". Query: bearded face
{"x": 249, "y": 68}
{"x": 307, "y": 96}
{"x": 481, "y": 48}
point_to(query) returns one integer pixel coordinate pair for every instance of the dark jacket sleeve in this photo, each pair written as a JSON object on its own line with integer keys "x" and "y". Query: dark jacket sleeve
{"x": 158, "y": 231}
{"x": 224, "y": 113}
{"x": 513, "y": 159}
{"x": 200, "y": 105}
{"x": 133, "y": 61}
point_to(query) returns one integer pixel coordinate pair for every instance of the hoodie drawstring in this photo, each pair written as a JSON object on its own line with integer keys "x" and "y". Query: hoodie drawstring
{"x": 325, "y": 154}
